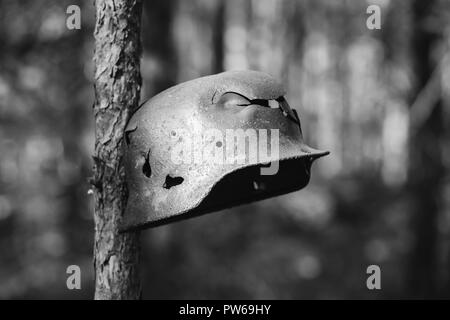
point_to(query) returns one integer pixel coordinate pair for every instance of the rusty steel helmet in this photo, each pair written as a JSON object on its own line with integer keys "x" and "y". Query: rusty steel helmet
{"x": 170, "y": 178}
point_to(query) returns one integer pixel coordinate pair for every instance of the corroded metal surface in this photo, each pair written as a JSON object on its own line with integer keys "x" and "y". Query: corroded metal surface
{"x": 162, "y": 190}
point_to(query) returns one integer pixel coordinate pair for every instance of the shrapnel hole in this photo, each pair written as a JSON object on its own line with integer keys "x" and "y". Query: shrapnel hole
{"x": 146, "y": 169}
{"x": 172, "y": 181}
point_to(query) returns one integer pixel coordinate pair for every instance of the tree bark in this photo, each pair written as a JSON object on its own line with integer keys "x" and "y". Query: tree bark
{"x": 117, "y": 89}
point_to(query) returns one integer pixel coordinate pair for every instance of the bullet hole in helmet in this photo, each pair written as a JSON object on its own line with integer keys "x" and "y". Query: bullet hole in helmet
{"x": 231, "y": 99}
{"x": 272, "y": 104}
{"x": 146, "y": 169}
{"x": 172, "y": 181}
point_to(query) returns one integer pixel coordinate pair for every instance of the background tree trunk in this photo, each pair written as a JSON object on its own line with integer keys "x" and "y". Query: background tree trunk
{"x": 426, "y": 170}
{"x": 218, "y": 30}
{"x": 117, "y": 90}
{"x": 158, "y": 43}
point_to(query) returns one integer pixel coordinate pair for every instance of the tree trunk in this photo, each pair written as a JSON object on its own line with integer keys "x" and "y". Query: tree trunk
{"x": 426, "y": 170}
{"x": 158, "y": 22}
{"x": 117, "y": 89}
{"x": 218, "y": 30}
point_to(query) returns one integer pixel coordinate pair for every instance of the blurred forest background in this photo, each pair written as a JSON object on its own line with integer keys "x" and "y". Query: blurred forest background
{"x": 377, "y": 99}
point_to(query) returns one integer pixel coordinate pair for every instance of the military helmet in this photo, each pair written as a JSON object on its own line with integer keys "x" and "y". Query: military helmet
{"x": 202, "y": 146}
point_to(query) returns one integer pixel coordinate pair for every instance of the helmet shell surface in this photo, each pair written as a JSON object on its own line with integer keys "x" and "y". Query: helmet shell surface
{"x": 167, "y": 139}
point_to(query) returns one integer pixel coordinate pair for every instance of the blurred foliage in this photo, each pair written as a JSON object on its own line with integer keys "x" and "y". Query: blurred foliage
{"x": 353, "y": 88}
